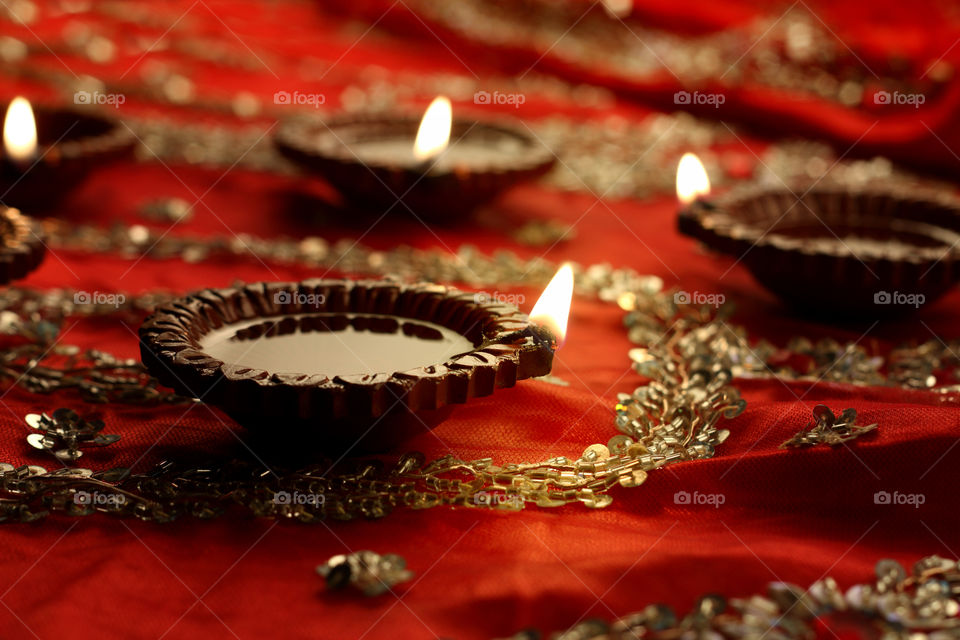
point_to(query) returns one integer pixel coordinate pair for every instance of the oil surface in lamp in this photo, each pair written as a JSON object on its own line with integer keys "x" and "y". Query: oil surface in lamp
{"x": 692, "y": 179}
{"x": 552, "y": 310}
{"x": 342, "y": 352}
{"x": 434, "y": 132}
{"x": 20, "y": 132}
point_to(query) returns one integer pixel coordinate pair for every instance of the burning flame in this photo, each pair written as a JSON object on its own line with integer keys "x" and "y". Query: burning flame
{"x": 692, "y": 180}
{"x": 618, "y": 8}
{"x": 20, "y": 131}
{"x": 434, "y": 132}
{"x": 553, "y": 308}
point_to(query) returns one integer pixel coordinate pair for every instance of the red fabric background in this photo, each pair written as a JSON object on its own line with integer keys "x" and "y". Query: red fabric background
{"x": 788, "y": 515}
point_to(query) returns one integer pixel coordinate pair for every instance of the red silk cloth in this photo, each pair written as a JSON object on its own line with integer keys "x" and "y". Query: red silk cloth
{"x": 786, "y": 515}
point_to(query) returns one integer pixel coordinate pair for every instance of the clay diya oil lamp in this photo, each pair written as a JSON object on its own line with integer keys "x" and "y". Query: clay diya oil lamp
{"x": 49, "y": 151}
{"x": 21, "y": 245}
{"x": 831, "y": 250}
{"x": 340, "y": 359}
{"x": 436, "y": 168}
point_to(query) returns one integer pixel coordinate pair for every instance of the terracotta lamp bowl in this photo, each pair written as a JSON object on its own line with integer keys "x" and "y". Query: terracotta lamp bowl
{"x": 338, "y": 359}
{"x": 864, "y": 253}
{"x": 70, "y": 142}
{"x": 369, "y": 161}
{"x": 21, "y": 245}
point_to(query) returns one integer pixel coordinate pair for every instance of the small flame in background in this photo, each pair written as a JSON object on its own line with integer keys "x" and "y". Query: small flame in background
{"x": 618, "y": 8}
{"x": 692, "y": 180}
{"x": 433, "y": 136}
{"x": 552, "y": 310}
{"x": 20, "y": 131}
